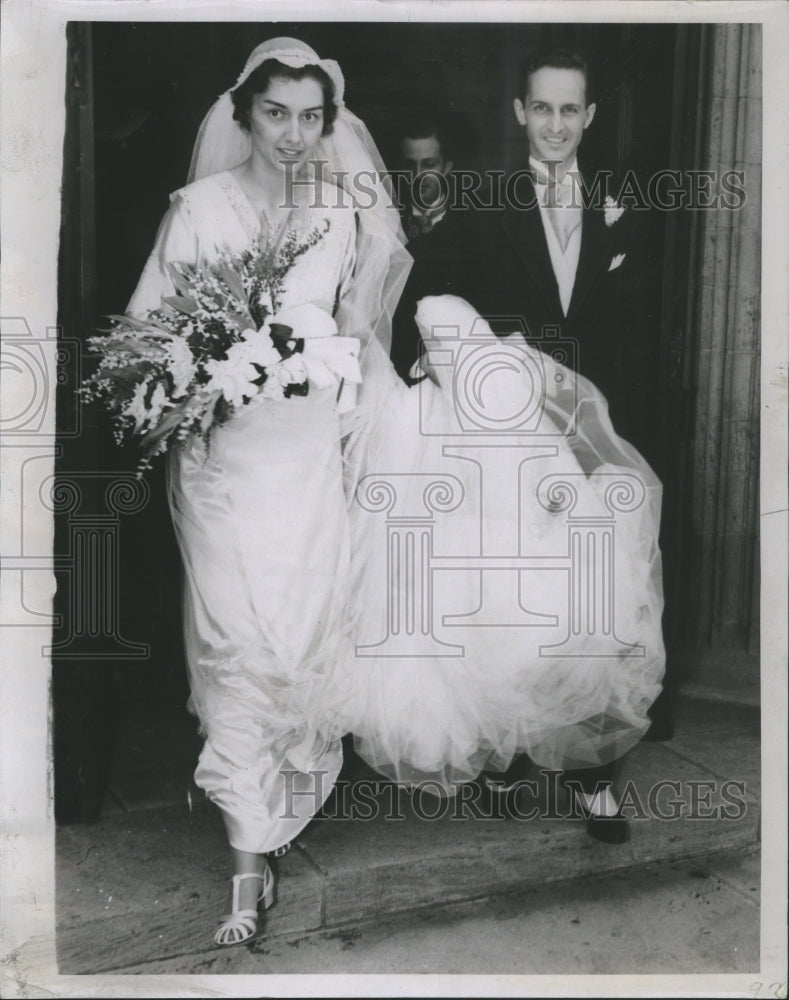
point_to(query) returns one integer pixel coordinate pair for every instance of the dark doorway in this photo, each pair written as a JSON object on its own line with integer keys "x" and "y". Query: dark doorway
{"x": 135, "y": 97}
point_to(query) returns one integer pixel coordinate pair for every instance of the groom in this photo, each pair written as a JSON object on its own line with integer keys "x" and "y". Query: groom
{"x": 556, "y": 254}
{"x": 549, "y": 253}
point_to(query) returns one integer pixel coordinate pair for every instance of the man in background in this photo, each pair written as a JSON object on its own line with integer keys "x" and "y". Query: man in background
{"x": 425, "y": 150}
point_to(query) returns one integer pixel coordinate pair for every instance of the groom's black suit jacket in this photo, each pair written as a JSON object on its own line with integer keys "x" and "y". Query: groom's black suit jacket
{"x": 498, "y": 260}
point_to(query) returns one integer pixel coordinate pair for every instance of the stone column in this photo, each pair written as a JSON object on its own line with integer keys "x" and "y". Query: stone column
{"x": 724, "y": 323}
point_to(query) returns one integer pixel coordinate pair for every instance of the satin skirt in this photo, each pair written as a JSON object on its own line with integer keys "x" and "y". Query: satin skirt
{"x": 262, "y": 524}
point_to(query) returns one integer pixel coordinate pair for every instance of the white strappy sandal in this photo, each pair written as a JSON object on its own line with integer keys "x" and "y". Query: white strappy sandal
{"x": 240, "y": 925}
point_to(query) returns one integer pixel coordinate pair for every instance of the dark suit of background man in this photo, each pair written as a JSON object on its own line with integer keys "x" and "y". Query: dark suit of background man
{"x": 546, "y": 259}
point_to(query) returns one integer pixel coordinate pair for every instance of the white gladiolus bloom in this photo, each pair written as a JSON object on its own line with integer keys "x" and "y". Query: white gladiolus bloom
{"x": 135, "y": 408}
{"x": 181, "y": 365}
{"x": 260, "y": 349}
{"x": 233, "y": 376}
{"x": 158, "y": 399}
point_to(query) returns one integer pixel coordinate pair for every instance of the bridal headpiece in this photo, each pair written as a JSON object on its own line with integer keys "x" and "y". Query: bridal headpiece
{"x": 221, "y": 143}
{"x": 292, "y": 52}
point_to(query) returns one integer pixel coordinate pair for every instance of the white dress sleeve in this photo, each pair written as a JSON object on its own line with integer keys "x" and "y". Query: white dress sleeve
{"x": 176, "y": 240}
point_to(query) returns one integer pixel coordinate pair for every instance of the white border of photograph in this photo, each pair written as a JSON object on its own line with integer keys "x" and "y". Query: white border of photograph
{"x": 33, "y": 42}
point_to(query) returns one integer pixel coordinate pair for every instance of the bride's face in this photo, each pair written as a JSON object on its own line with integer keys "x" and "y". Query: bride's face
{"x": 286, "y": 122}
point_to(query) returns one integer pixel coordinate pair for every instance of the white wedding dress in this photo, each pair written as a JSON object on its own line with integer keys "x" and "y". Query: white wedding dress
{"x": 452, "y": 588}
{"x": 506, "y": 562}
{"x": 263, "y": 530}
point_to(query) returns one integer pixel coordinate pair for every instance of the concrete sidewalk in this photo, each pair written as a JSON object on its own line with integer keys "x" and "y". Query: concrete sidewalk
{"x": 140, "y": 891}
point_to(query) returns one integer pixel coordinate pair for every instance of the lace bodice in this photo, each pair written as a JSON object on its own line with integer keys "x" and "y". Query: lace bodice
{"x": 214, "y": 214}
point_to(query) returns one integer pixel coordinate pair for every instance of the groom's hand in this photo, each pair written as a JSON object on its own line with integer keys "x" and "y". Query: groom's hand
{"x": 422, "y": 369}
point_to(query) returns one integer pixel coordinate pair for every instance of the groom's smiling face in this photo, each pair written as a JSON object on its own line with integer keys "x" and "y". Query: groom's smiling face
{"x": 554, "y": 113}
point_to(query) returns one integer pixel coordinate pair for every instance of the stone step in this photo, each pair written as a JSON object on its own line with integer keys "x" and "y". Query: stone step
{"x": 148, "y": 886}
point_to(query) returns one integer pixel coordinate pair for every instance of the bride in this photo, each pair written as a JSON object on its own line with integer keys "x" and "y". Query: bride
{"x": 261, "y": 518}
{"x": 355, "y": 559}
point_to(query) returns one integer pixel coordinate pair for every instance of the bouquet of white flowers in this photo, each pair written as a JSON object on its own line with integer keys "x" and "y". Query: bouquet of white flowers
{"x": 211, "y": 347}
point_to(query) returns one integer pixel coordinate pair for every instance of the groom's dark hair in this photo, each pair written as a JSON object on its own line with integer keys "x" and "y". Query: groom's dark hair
{"x": 557, "y": 59}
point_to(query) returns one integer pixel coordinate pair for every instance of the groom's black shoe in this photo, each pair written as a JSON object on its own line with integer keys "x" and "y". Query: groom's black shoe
{"x": 607, "y": 829}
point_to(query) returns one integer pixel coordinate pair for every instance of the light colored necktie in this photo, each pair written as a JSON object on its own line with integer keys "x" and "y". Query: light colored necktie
{"x": 564, "y": 220}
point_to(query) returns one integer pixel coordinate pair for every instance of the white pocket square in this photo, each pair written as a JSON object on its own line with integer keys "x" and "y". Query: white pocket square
{"x": 616, "y": 261}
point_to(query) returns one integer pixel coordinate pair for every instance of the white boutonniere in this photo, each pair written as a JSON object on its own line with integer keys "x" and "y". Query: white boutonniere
{"x": 611, "y": 211}
{"x": 616, "y": 261}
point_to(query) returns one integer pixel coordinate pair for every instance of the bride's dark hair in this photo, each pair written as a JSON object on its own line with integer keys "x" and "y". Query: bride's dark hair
{"x": 258, "y": 83}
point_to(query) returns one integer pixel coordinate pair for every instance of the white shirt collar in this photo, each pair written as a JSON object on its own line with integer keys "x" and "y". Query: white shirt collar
{"x": 569, "y": 185}
{"x": 571, "y": 175}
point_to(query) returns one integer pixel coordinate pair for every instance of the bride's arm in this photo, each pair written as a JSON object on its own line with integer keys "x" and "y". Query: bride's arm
{"x": 348, "y": 262}
{"x": 371, "y": 278}
{"x": 175, "y": 241}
